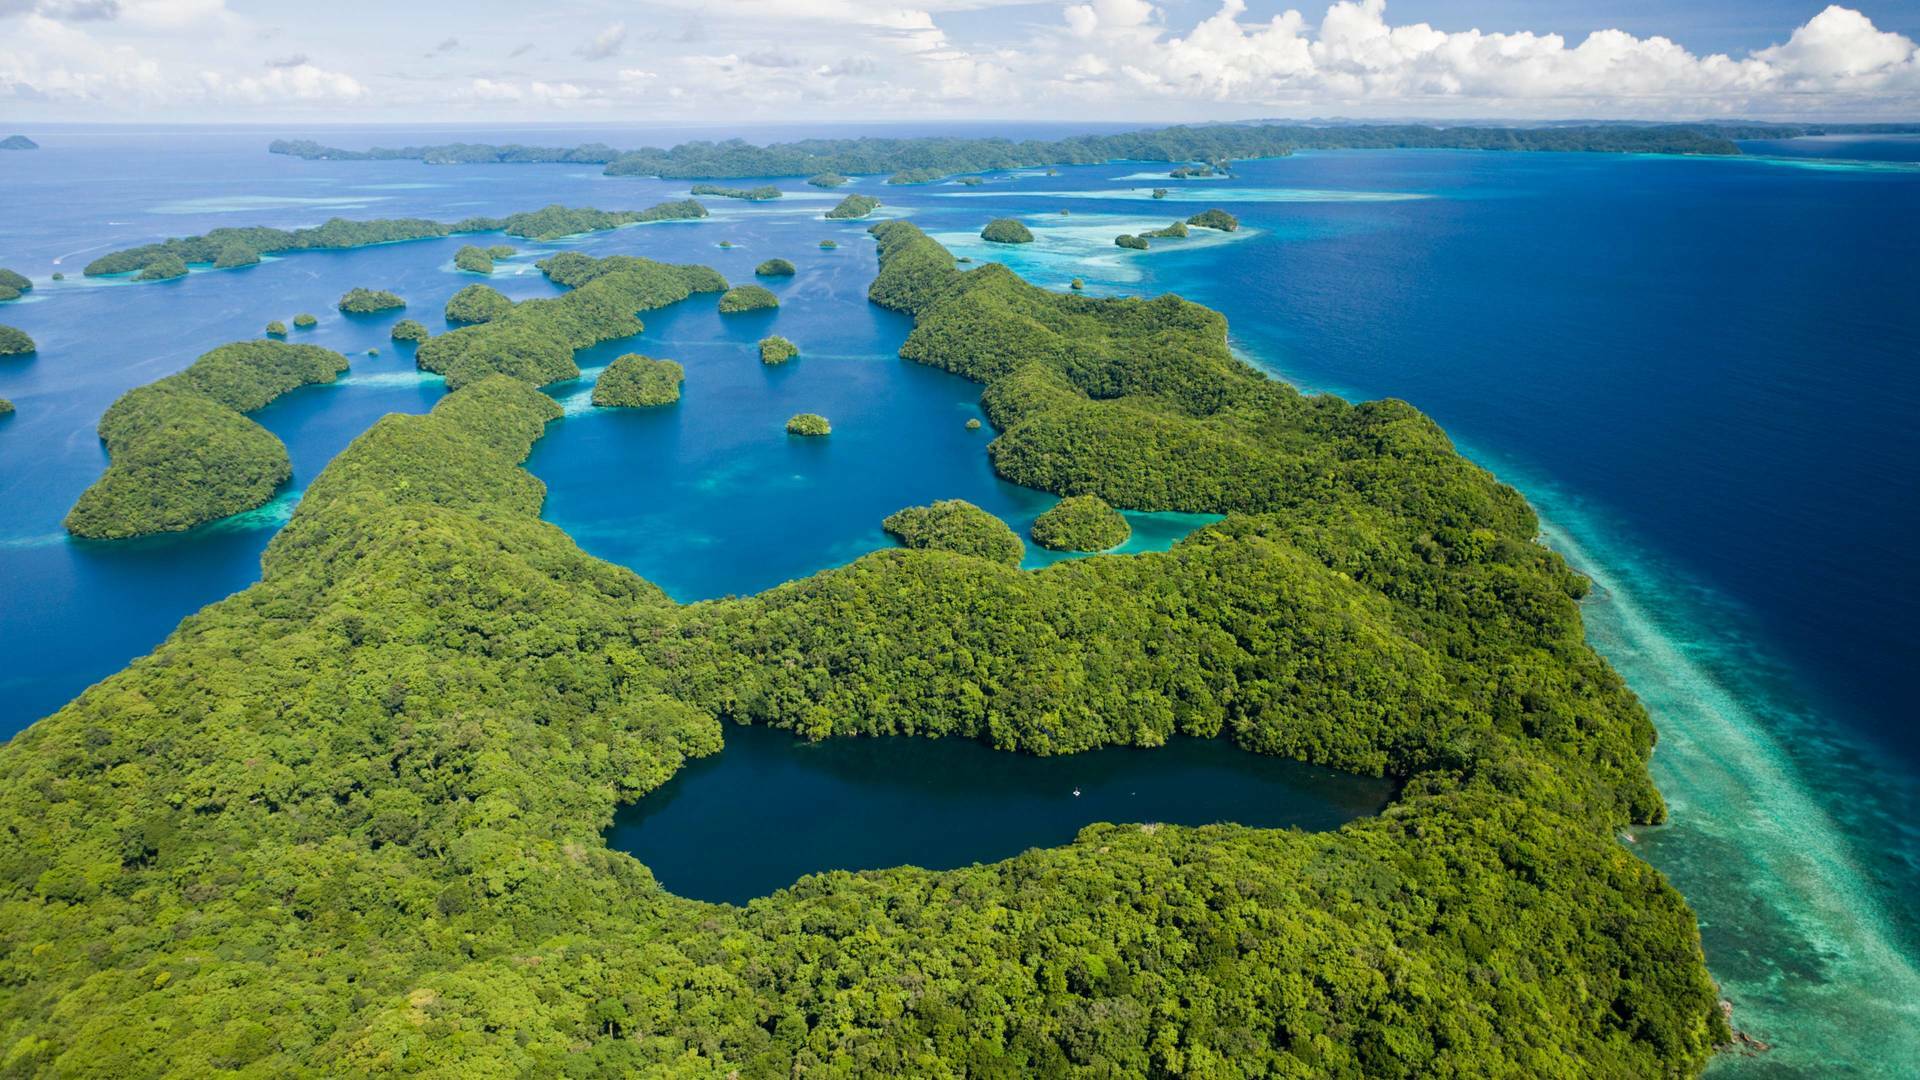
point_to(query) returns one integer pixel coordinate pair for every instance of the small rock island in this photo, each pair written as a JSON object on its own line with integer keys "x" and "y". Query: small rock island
{"x": 636, "y": 381}
{"x": 958, "y": 526}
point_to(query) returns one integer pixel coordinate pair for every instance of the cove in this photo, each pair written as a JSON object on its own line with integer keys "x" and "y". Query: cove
{"x": 772, "y": 807}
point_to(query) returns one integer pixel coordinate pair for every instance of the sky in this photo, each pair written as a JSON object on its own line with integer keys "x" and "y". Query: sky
{"x": 579, "y": 61}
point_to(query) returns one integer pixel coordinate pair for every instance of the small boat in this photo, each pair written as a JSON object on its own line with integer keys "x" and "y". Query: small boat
{"x": 1076, "y": 793}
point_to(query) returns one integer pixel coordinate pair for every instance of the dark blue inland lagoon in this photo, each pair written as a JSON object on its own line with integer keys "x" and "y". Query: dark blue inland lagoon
{"x": 772, "y": 807}
{"x": 1701, "y": 371}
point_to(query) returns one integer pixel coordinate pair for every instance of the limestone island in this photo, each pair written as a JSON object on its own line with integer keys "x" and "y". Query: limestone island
{"x": 917, "y": 176}
{"x": 777, "y": 350}
{"x": 477, "y": 303}
{"x": 1175, "y": 231}
{"x": 409, "y": 330}
{"x": 853, "y": 206}
{"x": 276, "y": 328}
{"x": 18, "y": 142}
{"x": 367, "y": 301}
{"x": 958, "y": 526}
{"x": 180, "y": 450}
{"x": 1081, "y": 523}
{"x": 973, "y": 424}
{"x": 6, "y": 407}
{"x": 15, "y": 342}
{"x": 1127, "y": 240}
{"x": 807, "y": 423}
{"x": 164, "y": 268}
{"x": 479, "y": 260}
{"x": 763, "y": 193}
{"x": 635, "y": 381}
{"x": 826, "y": 180}
{"x": 775, "y": 268}
{"x": 1215, "y": 219}
{"x": 305, "y": 321}
{"x": 1006, "y": 231}
{"x": 747, "y": 298}
{"x": 829, "y": 245}
{"x": 13, "y": 284}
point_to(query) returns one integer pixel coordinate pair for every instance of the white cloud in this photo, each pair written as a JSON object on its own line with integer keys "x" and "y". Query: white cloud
{"x": 1355, "y": 57}
{"x": 606, "y": 43}
{"x": 777, "y": 59}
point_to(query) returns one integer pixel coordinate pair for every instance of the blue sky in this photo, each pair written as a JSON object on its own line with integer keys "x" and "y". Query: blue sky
{"x": 771, "y": 60}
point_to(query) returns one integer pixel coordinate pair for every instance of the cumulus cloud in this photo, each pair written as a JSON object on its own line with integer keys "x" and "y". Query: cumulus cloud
{"x": 608, "y": 42}
{"x": 302, "y": 83}
{"x": 1355, "y": 56}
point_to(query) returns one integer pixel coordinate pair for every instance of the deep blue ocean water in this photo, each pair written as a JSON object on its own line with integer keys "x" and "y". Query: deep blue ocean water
{"x": 1701, "y": 372}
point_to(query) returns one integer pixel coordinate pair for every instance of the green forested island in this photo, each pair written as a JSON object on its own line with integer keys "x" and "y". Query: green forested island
{"x": 777, "y": 350}
{"x": 15, "y": 342}
{"x": 636, "y": 381}
{"x": 1006, "y": 231}
{"x": 742, "y": 298}
{"x": 181, "y": 452}
{"x": 359, "y": 301}
{"x": 763, "y": 193}
{"x": 1128, "y": 240}
{"x": 1081, "y": 523}
{"x": 921, "y": 160}
{"x": 534, "y": 340}
{"x": 350, "y": 819}
{"x": 958, "y": 526}
{"x": 826, "y": 180}
{"x": 13, "y": 285}
{"x": 477, "y": 303}
{"x": 810, "y": 424}
{"x": 479, "y": 260}
{"x": 1215, "y": 219}
{"x": 305, "y": 321}
{"x": 239, "y": 246}
{"x": 406, "y": 330}
{"x": 775, "y": 268}
{"x": 18, "y": 142}
{"x": 6, "y": 407}
{"x": 853, "y": 206}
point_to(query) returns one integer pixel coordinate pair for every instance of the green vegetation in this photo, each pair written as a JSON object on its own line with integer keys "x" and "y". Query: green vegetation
{"x": 1177, "y": 231}
{"x": 970, "y": 181}
{"x": 1191, "y": 172}
{"x": 12, "y": 284}
{"x": 942, "y": 156}
{"x": 763, "y": 193}
{"x": 1076, "y": 285}
{"x": 477, "y": 303}
{"x": 1159, "y": 193}
{"x": 474, "y": 260}
{"x": 918, "y": 176}
{"x": 534, "y": 340}
{"x": 409, "y": 330}
{"x": 807, "y": 423}
{"x": 973, "y": 424}
{"x": 304, "y": 321}
{"x": 829, "y": 245}
{"x": 747, "y": 298}
{"x": 6, "y": 407}
{"x": 1081, "y": 523}
{"x": 635, "y": 381}
{"x": 163, "y": 268}
{"x": 1215, "y": 219}
{"x": 853, "y": 206}
{"x": 242, "y": 246}
{"x": 1126, "y": 240}
{"x": 1006, "y": 231}
{"x": 958, "y": 526}
{"x": 58, "y": 276}
{"x": 349, "y": 820}
{"x": 357, "y": 301}
{"x": 777, "y": 350}
{"x": 18, "y": 142}
{"x": 276, "y": 328}
{"x": 15, "y": 342}
{"x": 775, "y": 268}
{"x": 182, "y": 453}
{"x": 826, "y": 180}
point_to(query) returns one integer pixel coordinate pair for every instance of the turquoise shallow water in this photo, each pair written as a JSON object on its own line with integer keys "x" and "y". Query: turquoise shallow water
{"x": 1700, "y": 372}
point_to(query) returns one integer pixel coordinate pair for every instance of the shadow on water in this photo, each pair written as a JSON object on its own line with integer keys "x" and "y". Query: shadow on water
{"x": 772, "y": 807}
